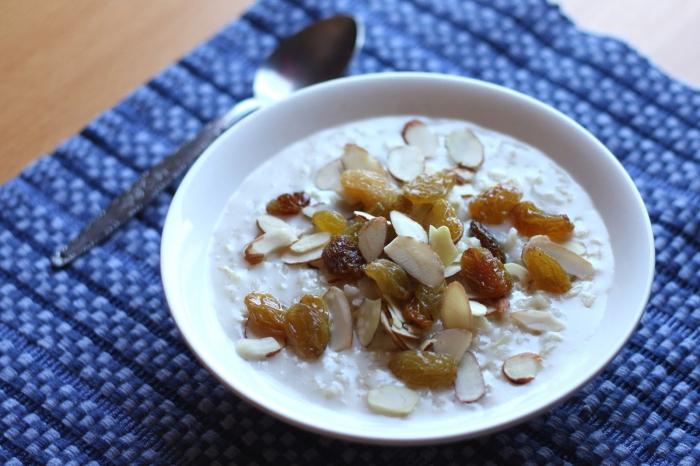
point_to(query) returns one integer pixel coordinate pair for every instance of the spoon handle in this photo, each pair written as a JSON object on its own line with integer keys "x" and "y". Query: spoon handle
{"x": 150, "y": 183}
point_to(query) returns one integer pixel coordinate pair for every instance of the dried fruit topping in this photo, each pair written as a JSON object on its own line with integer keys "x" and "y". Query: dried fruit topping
{"x": 330, "y": 222}
{"x": 465, "y": 148}
{"x": 375, "y": 192}
{"x": 487, "y": 240}
{"x": 545, "y": 272}
{"x": 287, "y": 204}
{"x": 391, "y": 279}
{"x": 430, "y": 299}
{"x": 455, "y": 311}
{"x": 342, "y": 257}
{"x": 307, "y": 329}
{"x": 522, "y": 368}
{"x": 423, "y": 369}
{"x": 493, "y": 205}
{"x": 392, "y": 400}
{"x": 531, "y": 221}
{"x": 353, "y": 230}
{"x": 265, "y": 315}
{"x": 417, "y": 259}
{"x": 405, "y": 226}
{"x": 443, "y": 214}
{"x": 469, "y": 385}
{"x": 426, "y": 189}
{"x": 257, "y": 349}
{"x": 372, "y": 237}
{"x": 484, "y": 274}
{"x": 414, "y": 313}
{"x": 417, "y": 134}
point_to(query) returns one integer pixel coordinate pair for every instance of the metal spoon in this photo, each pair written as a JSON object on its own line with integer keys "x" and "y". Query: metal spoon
{"x": 318, "y": 53}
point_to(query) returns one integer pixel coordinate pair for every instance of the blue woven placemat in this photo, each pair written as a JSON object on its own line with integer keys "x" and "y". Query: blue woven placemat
{"x": 92, "y": 369}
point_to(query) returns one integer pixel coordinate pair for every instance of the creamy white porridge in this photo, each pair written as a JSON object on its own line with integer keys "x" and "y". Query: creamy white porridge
{"x": 342, "y": 379}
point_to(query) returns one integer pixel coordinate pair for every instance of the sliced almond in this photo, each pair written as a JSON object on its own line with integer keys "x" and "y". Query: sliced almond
{"x": 426, "y": 344}
{"x": 465, "y": 148}
{"x": 453, "y": 342}
{"x": 517, "y": 271}
{"x": 440, "y": 240}
{"x": 406, "y": 226}
{"x": 452, "y": 269}
{"x": 267, "y": 222}
{"x": 392, "y": 400}
{"x": 417, "y": 134}
{"x": 537, "y": 321}
{"x": 256, "y": 250}
{"x": 404, "y": 335}
{"x": 417, "y": 259}
{"x": 371, "y": 238}
{"x": 310, "y": 242}
{"x": 253, "y": 349}
{"x": 571, "y": 262}
{"x": 406, "y": 162}
{"x": 478, "y": 309}
{"x": 328, "y": 176}
{"x": 455, "y": 311}
{"x": 357, "y": 158}
{"x": 308, "y": 257}
{"x": 364, "y": 215}
{"x": 575, "y": 247}
{"x": 368, "y": 320}
{"x": 463, "y": 175}
{"x": 341, "y": 318}
{"x": 469, "y": 384}
{"x": 521, "y": 368}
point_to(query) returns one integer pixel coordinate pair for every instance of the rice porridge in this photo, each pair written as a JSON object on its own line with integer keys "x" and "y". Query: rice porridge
{"x": 449, "y": 266}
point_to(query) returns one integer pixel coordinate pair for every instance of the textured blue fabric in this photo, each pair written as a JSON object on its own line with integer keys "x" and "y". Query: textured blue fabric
{"x": 93, "y": 371}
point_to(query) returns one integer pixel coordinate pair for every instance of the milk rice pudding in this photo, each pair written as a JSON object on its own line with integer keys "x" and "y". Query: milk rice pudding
{"x": 407, "y": 266}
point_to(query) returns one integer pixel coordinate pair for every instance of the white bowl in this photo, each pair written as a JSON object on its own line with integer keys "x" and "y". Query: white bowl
{"x": 205, "y": 190}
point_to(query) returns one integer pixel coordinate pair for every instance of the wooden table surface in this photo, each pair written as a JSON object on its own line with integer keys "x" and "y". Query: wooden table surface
{"x": 65, "y": 61}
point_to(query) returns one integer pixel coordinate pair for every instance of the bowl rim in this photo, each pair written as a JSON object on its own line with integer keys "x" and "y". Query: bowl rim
{"x": 339, "y": 433}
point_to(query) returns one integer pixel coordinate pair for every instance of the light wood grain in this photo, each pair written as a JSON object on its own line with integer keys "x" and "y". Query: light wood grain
{"x": 64, "y": 61}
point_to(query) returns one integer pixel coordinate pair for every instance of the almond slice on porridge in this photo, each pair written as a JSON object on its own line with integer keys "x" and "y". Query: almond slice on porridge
{"x": 310, "y": 242}
{"x": 405, "y": 226}
{"x": 256, "y": 349}
{"x": 416, "y": 133}
{"x": 417, "y": 259}
{"x": 328, "y": 176}
{"x": 392, "y": 400}
{"x": 264, "y": 244}
{"x": 372, "y": 237}
{"x": 469, "y": 385}
{"x": 405, "y": 162}
{"x": 465, "y": 148}
{"x": 357, "y": 158}
{"x": 341, "y": 318}
{"x": 521, "y": 368}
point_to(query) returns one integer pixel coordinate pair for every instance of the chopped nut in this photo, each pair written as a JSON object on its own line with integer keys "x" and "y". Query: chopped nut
{"x": 341, "y": 318}
{"x": 405, "y": 162}
{"x": 392, "y": 400}
{"x": 537, "y": 321}
{"x": 310, "y": 242}
{"x": 406, "y": 226}
{"x": 417, "y": 134}
{"x": 368, "y": 320}
{"x": 441, "y": 242}
{"x": 372, "y": 237}
{"x": 453, "y": 342}
{"x": 328, "y": 176}
{"x": 417, "y": 259}
{"x": 456, "y": 311}
{"x": 521, "y": 368}
{"x": 256, "y": 250}
{"x": 257, "y": 349}
{"x": 465, "y": 148}
{"x": 469, "y": 385}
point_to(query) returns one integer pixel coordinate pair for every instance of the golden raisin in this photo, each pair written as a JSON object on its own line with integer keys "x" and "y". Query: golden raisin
{"x": 391, "y": 279}
{"x": 422, "y": 369}
{"x": 493, "y": 205}
{"x": 265, "y": 315}
{"x": 307, "y": 330}
{"x": 531, "y": 221}
{"x": 442, "y": 213}
{"x": 426, "y": 189}
{"x": 425, "y": 305}
{"x": 352, "y": 231}
{"x": 484, "y": 274}
{"x": 342, "y": 257}
{"x": 374, "y": 191}
{"x": 329, "y": 221}
{"x": 487, "y": 240}
{"x": 545, "y": 272}
{"x": 287, "y": 204}
{"x": 313, "y": 301}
